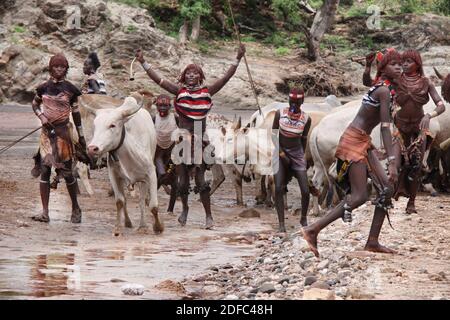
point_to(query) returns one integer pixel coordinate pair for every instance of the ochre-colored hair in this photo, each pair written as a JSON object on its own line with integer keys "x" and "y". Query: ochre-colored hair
{"x": 392, "y": 55}
{"x": 415, "y": 56}
{"x": 445, "y": 90}
{"x": 58, "y": 60}
{"x": 195, "y": 67}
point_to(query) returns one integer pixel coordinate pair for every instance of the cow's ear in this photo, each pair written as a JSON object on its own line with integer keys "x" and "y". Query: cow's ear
{"x": 237, "y": 125}
{"x": 224, "y": 131}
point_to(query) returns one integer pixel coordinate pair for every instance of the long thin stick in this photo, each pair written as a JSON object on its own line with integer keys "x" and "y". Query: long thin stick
{"x": 4, "y": 149}
{"x": 245, "y": 59}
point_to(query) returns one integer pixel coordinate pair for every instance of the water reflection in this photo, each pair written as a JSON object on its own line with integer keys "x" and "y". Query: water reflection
{"x": 52, "y": 275}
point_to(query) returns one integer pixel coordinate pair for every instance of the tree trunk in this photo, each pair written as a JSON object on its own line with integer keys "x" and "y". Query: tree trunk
{"x": 195, "y": 29}
{"x": 183, "y": 33}
{"x": 323, "y": 19}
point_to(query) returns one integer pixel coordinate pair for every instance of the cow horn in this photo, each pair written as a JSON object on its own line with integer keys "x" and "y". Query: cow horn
{"x": 131, "y": 70}
{"x": 440, "y": 76}
{"x": 237, "y": 125}
{"x": 130, "y": 106}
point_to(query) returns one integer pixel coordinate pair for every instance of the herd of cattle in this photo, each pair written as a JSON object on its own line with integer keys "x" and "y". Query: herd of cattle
{"x": 123, "y": 132}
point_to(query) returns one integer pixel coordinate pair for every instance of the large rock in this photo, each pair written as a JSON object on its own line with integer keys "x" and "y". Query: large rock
{"x": 318, "y": 294}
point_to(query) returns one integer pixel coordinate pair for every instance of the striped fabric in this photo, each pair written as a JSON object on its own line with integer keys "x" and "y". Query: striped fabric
{"x": 97, "y": 77}
{"x": 194, "y": 104}
{"x": 369, "y": 100}
{"x": 291, "y": 128}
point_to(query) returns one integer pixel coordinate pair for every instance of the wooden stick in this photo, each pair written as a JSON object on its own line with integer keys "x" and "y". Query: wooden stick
{"x": 245, "y": 59}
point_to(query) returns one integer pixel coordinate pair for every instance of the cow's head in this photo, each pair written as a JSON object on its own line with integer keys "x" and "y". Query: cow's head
{"x": 229, "y": 143}
{"x": 108, "y": 126}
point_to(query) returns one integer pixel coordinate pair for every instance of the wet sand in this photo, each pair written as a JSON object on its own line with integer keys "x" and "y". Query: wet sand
{"x": 60, "y": 260}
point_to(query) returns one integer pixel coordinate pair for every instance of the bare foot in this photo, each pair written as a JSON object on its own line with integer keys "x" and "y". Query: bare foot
{"x": 43, "y": 217}
{"x": 209, "y": 223}
{"x": 376, "y": 247}
{"x": 411, "y": 208}
{"x": 182, "y": 218}
{"x": 311, "y": 238}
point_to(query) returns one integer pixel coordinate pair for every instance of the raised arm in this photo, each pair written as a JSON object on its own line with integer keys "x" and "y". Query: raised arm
{"x": 367, "y": 79}
{"x": 216, "y": 86}
{"x": 383, "y": 95}
{"x": 165, "y": 84}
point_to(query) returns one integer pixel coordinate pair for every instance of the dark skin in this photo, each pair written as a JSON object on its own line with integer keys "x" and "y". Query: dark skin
{"x": 367, "y": 79}
{"x": 284, "y": 168}
{"x": 192, "y": 79}
{"x": 366, "y": 119}
{"x": 163, "y": 176}
{"x": 412, "y": 112}
{"x": 58, "y": 73}
{"x": 89, "y": 69}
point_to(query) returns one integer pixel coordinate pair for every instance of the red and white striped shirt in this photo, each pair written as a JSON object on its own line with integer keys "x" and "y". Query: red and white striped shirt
{"x": 194, "y": 104}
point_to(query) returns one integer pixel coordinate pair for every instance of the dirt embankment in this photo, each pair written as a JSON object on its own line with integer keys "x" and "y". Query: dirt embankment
{"x": 32, "y": 31}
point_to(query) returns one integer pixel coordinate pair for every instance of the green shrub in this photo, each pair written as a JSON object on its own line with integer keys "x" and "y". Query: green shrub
{"x": 130, "y": 29}
{"x": 248, "y": 39}
{"x": 282, "y": 51}
{"x": 441, "y": 6}
{"x": 410, "y": 6}
{"x": 18, "y": 29}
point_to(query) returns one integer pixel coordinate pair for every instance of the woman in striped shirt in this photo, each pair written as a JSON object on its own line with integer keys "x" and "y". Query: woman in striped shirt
{"x": 192, "y": 104}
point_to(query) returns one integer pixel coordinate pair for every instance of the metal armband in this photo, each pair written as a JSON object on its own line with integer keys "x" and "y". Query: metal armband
{"x": 146, "y": 66}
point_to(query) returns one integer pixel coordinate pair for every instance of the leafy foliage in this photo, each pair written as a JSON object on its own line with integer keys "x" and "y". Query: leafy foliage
{"x": 191, "y": 9}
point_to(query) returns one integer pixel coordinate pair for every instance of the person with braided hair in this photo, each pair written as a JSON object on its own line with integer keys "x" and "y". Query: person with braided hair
{"x": 193, "y": 102}
{"x": 53, "y": 103}
{"x": 357, "y": 159}
{"x": 412, "y": 136}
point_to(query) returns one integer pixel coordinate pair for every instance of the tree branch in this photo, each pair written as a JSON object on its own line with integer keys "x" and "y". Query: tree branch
{"x": 304, "y": 5}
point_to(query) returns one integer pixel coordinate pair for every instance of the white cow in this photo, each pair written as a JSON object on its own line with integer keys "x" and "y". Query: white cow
{"x": 128, "y": 135}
